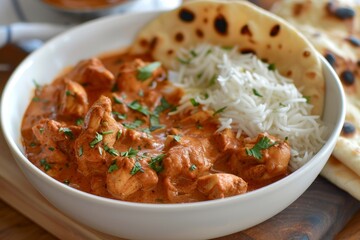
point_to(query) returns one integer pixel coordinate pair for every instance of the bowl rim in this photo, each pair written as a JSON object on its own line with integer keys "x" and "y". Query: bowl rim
{"x": 15, "y": 77}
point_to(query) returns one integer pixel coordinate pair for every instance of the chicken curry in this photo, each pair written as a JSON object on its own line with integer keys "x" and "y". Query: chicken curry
{"x": 107, "y": 127}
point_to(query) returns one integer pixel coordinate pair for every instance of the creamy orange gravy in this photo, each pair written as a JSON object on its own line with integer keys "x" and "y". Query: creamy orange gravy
{"x": 187, "y": 144}
{"x": 78, "y": 5}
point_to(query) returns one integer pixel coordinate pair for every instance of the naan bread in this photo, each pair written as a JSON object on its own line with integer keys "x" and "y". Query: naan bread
{"x": 241, "y": 24}
{"x": 337, "y": 37}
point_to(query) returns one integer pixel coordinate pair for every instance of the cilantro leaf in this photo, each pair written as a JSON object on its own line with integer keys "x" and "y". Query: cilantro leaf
{"x": 256, "y": 93}
{"x": 272, "y": 67}
{"x": 177, "y": 138}
{"x": 112, "y": 151}
{"x": 98, "y": 138}
{"x": 156, "y": 163}
{"x": 136, "y": 168}
{"x": 219, "y": 110}
{"x": 194, "y": 102}
{"x": 146, "y": 72}
{"x": 121, "y": 116}
{"x": 79, "y": 122}
{"x": 113, "y": 167}
{"x": 164, "y": 105}
{"x": 135, "y": 105}
{"x": 263, "y": 143}
{"x": 137, "y": 123}
{"x": 45, "y": 164}
{"x": 67, "y": 132}
{"x": 192, "y": 167}
{"x": 130, "y": 153}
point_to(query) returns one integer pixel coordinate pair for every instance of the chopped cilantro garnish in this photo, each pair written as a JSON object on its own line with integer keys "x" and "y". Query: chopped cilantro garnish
{"x": 69, "y": 93}
{"x": 146, "y": 72}
{"x": 45, "y": 164}
{"x": 193, "y": 53}
{"x": 37, "y": 85}
{"x": 177, "y": 138}
{"x": 164, "y": 105}
{"x": 98, "y": 138}
{"x": 67, "y": 132}
{"x": 136, "y": 168}
{"x": 141, "y": 93}
{"x": 135, "y": 105}
{"x": 137, "y": 123}
{"x": 41, "y": 130}
{"x": 263, "y": 143}
{"x": 219, "y": 110}
{"x": 194, "y": 102}
{"x": 199, "y": 126}
{"x": 36, "y": 99}
{"x": 120, "y": 116}
{"x": 192, "y": 167}
{"x": 147, "y": 131}
{"x": 213, "y": 80}
{"x": 183, "y": 61}
{"x": 156, "y": 163}
{"x": 79, "y": 122}
{"x": 206, "y": 95}
{"x": 80, "y": 151}
{"x": 117, "y": 100}
{"x": 112, "y": 151}
{"x": 130, "y": 153}
{"x": 155, "y": 123}
{"x": 308, "y": 98}
{"x": 113, "y": 167}
{"x": 51, "y": 149}
{"x": 118, "y": 135}
{"x": 107, "y": 132}
{"x": 256, "y": 93}
{"x": 32, "y": 144}
{"x": 227, "y": 48}
{"x": 272, "y": 67}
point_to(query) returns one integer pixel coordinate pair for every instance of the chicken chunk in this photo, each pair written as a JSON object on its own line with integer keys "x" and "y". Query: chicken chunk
{"x": 187, "y": 157}
{"x": 181, "y": 190}
{"x": 129, "y": 177}
{"x": 198, "y": 117}
{"x": 73, "y": 100}
{"x": 272, "y": 162}
{"x": 92, "y": 74}
{"x": 221, "y": 185}
{"x": 226, "y": 140}
{"x": 98, "y": 136}
{"x": 54, "y": 137}
{"x": 127, "y": 79}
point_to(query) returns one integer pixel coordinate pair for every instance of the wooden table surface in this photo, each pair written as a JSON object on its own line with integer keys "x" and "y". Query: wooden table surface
{"x": 322, "y": 212}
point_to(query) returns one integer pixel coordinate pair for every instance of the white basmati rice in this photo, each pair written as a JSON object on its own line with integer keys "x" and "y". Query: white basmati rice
{"x": 257, "y": 98}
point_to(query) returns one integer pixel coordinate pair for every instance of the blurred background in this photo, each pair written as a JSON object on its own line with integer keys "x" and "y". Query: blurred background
{"x": 28, "y": 23}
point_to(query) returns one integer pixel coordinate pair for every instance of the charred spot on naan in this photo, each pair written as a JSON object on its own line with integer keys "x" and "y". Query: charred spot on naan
{"x": 348, "y": 129}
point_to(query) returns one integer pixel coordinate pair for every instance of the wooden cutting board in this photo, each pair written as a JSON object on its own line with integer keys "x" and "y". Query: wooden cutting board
{"x": 320, "y": 213}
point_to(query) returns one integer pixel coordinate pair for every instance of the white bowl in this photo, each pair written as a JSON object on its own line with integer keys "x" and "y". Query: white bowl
{"x": 200, "y": 220}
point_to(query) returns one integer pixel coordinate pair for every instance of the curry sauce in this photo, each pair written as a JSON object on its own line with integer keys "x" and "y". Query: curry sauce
{"x": 109, "y": 126}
